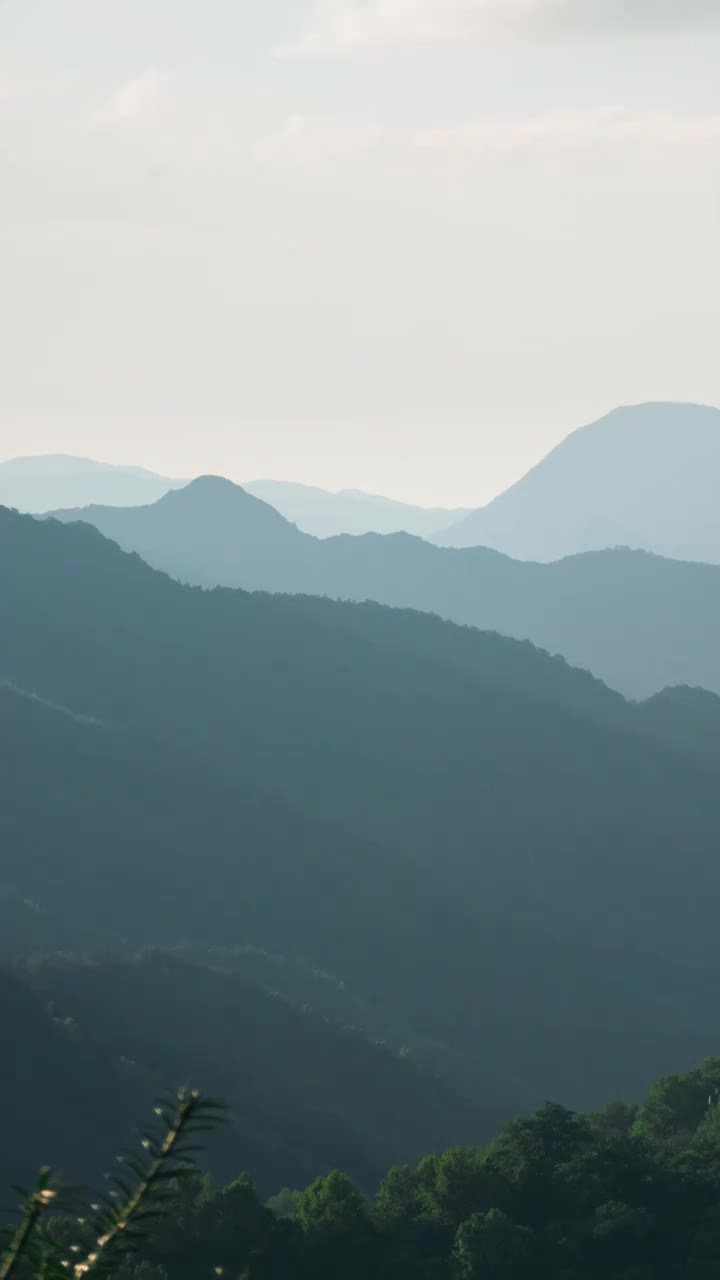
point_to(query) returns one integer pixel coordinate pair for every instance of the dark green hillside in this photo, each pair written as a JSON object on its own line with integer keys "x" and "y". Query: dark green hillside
{"x": 492, "y": 853}
{"x": 136, "y": 840}
{"x": 628, "y": 1192}
{"x": 121, "y": 841}
{"x": 687, "y": 718}
{"x": 306, "y": 1095}
{"x": 64, "y": 1095}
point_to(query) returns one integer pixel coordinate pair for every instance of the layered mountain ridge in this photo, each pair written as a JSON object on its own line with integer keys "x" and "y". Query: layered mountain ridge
{"x": 637, "y": 621}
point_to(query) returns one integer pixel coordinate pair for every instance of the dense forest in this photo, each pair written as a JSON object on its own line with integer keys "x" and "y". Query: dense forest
{"x": 629, "y": 1192}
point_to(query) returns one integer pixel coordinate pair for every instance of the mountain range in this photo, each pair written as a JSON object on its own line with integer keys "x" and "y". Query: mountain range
{"x": 36, "y": 484}
{"x": 401, "y": 878}
{"x": 645, "y": 477}
{"x": 327, "y": 515}
{"x": 493, "y": 859}
{"x": 33, "y": 484}
{"x": 642, "y": 477}
{"x": 636, "y": 620}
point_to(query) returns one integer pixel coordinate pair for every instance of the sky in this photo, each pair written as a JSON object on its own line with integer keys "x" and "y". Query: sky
{"x": 399, "y": 245}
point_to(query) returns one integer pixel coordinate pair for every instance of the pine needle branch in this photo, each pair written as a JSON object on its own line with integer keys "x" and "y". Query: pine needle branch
{"x": 37, "y": 1203}
{"x": 165, "y": 1153}
{"x": 166, "y": 1160}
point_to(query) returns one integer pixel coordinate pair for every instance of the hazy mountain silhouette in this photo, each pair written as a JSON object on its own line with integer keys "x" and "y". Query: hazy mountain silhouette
{"x": 37, "y": 484}
{"x": 350, "y": 511}
{"x": 636, "y": 620}
{"x": 686, "y": 717}
{"x": 539, "y": 860}
{"x": 644, "y": 477}
{"x": 59, "y": 480}
{"x": 210, "y": 522}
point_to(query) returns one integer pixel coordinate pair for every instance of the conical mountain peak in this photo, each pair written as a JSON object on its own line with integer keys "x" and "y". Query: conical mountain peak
{"x": 210, "y": 486}
{"x": 217, "y": 496}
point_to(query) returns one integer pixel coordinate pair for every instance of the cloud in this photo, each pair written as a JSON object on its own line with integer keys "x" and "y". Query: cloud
{"x": 311, "y": 144}
{"x": 138, "y": 103}
{"x": 337, "y": 26}
{"x": 307, "y": 142}
{"x": 604, "y": 126}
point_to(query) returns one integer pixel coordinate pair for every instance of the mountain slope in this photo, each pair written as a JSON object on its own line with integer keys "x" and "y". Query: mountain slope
{"x": 327, "y": 515}
{"x": 131, "y": 844}
{"x": 644, "y": 477}
{"x": 192, "y": 527}
{"x": 136, "y": 844}
{"x": 637, "y": 621}
{"x": 59, "y": 1085}
{"x": 162, "y": 846}
{"x": 111, "y": 1032}
{"x": 37, "y": 483}
{"x": 548, "y": 864}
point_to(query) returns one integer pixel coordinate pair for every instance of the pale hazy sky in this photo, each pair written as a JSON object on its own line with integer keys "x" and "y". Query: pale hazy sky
{"x": 404, "y": 245}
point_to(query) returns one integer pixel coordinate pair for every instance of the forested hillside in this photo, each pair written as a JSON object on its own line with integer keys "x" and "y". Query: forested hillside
{"x": 628, "y": 1192}
{"x": 494, "y": 853}
{"x": 93, "y": 1038}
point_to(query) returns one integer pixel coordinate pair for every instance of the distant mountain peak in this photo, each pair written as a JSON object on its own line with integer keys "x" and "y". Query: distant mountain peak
{"x": 644, "y": 476}
{"x": 222, "y": 497}
{"x": 669, "y": 407}
{"x": 653, "y": 417}
{"x": 212, "y": 481}
{"x": 210, "y": 486}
